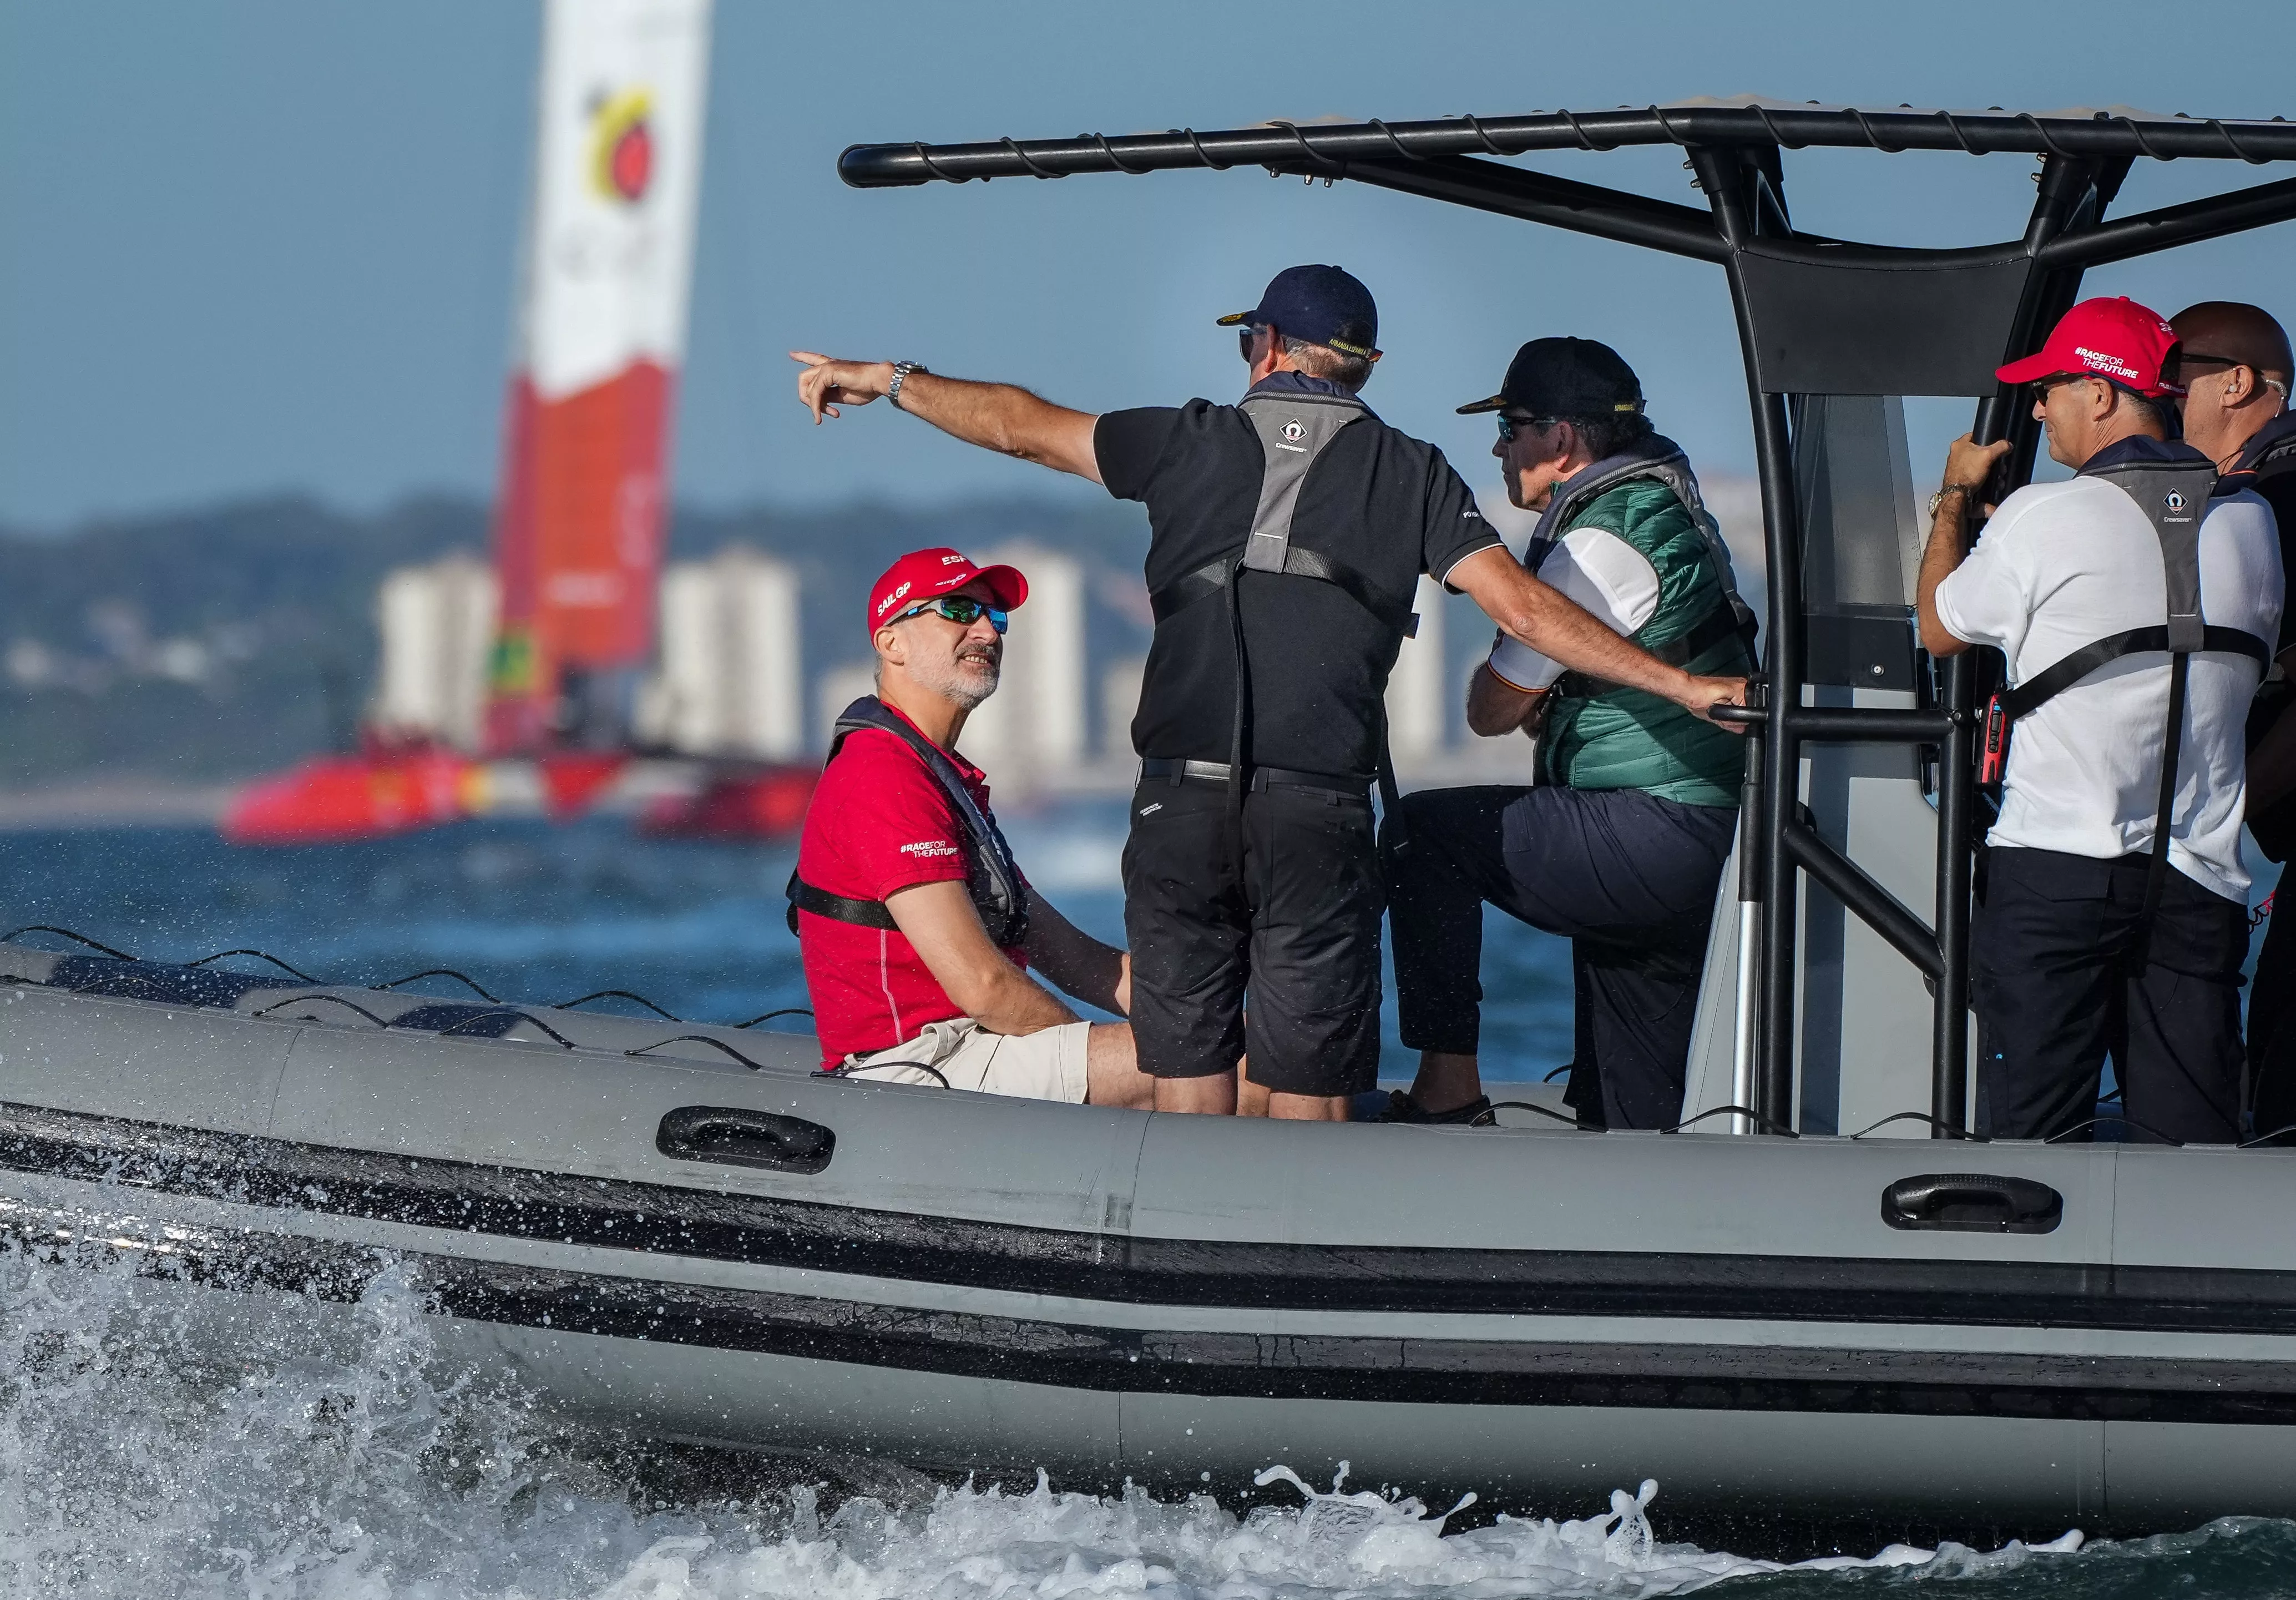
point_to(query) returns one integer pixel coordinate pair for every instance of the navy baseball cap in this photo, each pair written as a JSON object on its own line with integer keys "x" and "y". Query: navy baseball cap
{"x": 1565, "y": 377}
{"x": 1323, "y": 305}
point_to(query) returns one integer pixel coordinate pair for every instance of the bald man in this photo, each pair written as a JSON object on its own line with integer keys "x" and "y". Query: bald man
{"x": 2235, "y": 363}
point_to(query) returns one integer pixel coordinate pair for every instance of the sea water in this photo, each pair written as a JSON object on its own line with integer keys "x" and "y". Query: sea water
{"x": 139, "y": 1457}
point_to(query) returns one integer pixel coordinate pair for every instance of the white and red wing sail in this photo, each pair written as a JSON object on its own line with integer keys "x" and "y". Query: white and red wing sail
{"x": 604, "y": 280}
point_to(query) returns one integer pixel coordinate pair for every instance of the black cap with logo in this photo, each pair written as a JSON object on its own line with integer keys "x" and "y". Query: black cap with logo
{"x": 1565, "y": 377}
{"x": 1323, "y": 305}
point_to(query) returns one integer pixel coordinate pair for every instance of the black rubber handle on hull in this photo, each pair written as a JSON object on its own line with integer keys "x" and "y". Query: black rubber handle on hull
{"x": 734, "y": 1138}
{"x": 1973, "y": 1202}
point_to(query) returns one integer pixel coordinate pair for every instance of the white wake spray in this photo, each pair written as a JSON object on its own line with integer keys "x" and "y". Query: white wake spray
{"x": 164, "y": 1442}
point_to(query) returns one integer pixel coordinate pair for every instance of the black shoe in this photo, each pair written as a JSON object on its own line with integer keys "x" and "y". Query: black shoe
{"x": 1402, "y": 1108}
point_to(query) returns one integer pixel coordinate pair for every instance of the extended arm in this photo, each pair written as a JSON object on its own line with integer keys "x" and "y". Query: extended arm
{"x": 1496, "y": 707}
{"x": 939, "y": 919}
{"x": 1002, "y": 417}
{"x": 1549, "y": 622}
{"x": 1967, "y": 466}
{"x": 1075, "y": 961}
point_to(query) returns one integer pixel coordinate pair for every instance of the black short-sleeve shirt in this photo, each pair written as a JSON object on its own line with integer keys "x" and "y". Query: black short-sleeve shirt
{"x": 1385, "y": 503}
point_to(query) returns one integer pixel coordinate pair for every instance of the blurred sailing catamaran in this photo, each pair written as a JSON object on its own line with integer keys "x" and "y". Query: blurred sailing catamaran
{"x": 526, "y": 685}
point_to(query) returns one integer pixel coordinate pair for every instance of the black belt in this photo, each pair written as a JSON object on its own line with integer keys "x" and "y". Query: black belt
{"x": 1157, "y": 769}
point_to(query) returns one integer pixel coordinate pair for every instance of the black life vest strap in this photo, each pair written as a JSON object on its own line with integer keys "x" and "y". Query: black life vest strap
{"x": 1213, "y": 577}
{"x": 992, "y": 873}
{"x": 866, "y": 914}
{"x": 2042, "y": 687}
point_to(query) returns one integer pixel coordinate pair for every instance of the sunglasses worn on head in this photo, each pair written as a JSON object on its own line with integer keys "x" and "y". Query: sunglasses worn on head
{"x": 962, "y": 610}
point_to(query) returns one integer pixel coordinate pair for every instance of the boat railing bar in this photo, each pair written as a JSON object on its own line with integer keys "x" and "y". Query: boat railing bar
{"x": 65, "y": 934}
{"x": 1875, "y": 906}
{"x": 1843, "y": 724}
{"x": 1791, "y": 128}
{"x": 2186, "y": 224}
{"x": 1560, "y": 202}
{"x": 260, "y": 955}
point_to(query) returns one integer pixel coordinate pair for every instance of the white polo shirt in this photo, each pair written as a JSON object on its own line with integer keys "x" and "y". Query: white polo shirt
{"x": 1606, "y": 576}
{"x": 2062, "y": 565}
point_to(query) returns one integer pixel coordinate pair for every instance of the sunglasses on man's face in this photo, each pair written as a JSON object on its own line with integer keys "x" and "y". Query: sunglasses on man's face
{"x": 960, "y": 609}
{"x": 2177, "y": 369}
{"x": 1509, "y": 426}
{"x": 1245, "y": 336}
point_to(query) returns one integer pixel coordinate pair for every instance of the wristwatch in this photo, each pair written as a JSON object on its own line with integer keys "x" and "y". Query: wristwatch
{"x": 1937, "y": 499}
{"x": 901, "y": 370}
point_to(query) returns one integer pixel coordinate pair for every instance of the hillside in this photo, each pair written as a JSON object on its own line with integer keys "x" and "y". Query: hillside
{"x": 217, "y": 644}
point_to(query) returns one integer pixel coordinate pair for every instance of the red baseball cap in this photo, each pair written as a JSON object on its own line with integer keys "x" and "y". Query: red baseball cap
{"x": 2117, "y": 339}
{"x": 921, "y": 574}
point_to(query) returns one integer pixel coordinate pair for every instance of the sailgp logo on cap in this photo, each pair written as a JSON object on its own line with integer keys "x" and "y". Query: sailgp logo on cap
{"x": 892, "y": 600}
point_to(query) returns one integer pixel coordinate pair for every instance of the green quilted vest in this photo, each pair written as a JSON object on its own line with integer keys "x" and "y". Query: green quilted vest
{"x": 1625, "y": 738}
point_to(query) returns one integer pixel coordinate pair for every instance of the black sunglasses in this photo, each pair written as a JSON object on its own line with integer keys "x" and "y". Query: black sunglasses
{"x": 1509, "y": 425}
{"x": 2172, "y": 370}
{"x": 962, "y": 610}
{"x": 1245, "y": 335}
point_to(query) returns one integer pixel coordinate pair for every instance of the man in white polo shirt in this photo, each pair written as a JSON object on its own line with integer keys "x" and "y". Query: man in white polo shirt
{"x": 2080, "y": 946}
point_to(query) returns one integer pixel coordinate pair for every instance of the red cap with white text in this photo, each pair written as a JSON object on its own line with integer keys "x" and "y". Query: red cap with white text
{"x": 922, "y": 574}
{"x": 2116, "y": 340}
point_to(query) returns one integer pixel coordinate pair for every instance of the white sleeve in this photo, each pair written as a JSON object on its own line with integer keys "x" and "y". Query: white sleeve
{"x": 1602, "y": 573}
{"x": 1984, "y": 601}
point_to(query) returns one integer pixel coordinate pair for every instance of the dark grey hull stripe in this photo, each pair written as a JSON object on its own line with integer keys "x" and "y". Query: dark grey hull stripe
{"x": 669, "y": 1219}
{"x": 1462, "y": 1372}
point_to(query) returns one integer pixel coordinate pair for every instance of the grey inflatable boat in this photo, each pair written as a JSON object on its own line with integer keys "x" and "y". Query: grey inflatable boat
{"x": 684, "y": 1230}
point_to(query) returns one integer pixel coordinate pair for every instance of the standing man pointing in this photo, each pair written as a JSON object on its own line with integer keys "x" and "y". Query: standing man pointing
{"x": 1287, "y": 535}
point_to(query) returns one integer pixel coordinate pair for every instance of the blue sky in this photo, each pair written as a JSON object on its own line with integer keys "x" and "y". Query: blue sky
{"x": 264, "y": 245}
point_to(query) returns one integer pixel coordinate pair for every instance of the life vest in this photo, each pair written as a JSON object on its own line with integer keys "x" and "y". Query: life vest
{"x": 2268, "y": 466}
{"x": 1604, "y": 736}
{"x": 991, "y": 874}
{"x": 1293, "y": 428}
{"x": 2173, "y": 496}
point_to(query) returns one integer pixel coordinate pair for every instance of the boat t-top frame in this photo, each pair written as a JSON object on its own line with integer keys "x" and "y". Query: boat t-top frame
{"x": 1816, "y": 318}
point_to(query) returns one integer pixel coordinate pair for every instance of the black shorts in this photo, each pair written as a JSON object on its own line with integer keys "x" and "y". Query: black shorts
{"x": 1296, "y": 926}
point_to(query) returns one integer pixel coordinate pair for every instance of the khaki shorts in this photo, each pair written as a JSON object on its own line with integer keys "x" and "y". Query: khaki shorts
{"x": 1044, "y": 1065}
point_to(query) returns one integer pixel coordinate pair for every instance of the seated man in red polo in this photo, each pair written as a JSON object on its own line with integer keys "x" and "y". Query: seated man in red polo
{"x": 916, "y": 925}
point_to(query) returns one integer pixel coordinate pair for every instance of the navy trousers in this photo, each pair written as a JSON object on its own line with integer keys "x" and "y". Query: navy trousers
{"x": 2057, "y": 986}
{"x": 1628, "y": 877}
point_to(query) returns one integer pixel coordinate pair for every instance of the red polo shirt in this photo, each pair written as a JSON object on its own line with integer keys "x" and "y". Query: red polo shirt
{"x": 878, "y": 823}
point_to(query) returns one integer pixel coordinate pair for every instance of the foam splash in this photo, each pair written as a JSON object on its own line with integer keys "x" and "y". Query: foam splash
{"x": 316, "y": 1452}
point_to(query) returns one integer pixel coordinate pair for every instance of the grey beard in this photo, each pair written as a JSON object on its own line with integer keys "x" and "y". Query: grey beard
{"x": 964, "y": 691}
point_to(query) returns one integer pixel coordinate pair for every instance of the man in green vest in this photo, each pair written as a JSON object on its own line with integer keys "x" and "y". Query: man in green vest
{"x": 1619, "y": 842}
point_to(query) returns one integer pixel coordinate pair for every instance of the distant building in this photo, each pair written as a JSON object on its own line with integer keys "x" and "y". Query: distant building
{"x": 1034, "y": 727}
{"x": 1120, "y": 702}
{"x": 730, "y": 682}
{"x": 437, "y": 626}
{"x": 839, "y": 688}
{"x": 1417, "y": 701}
